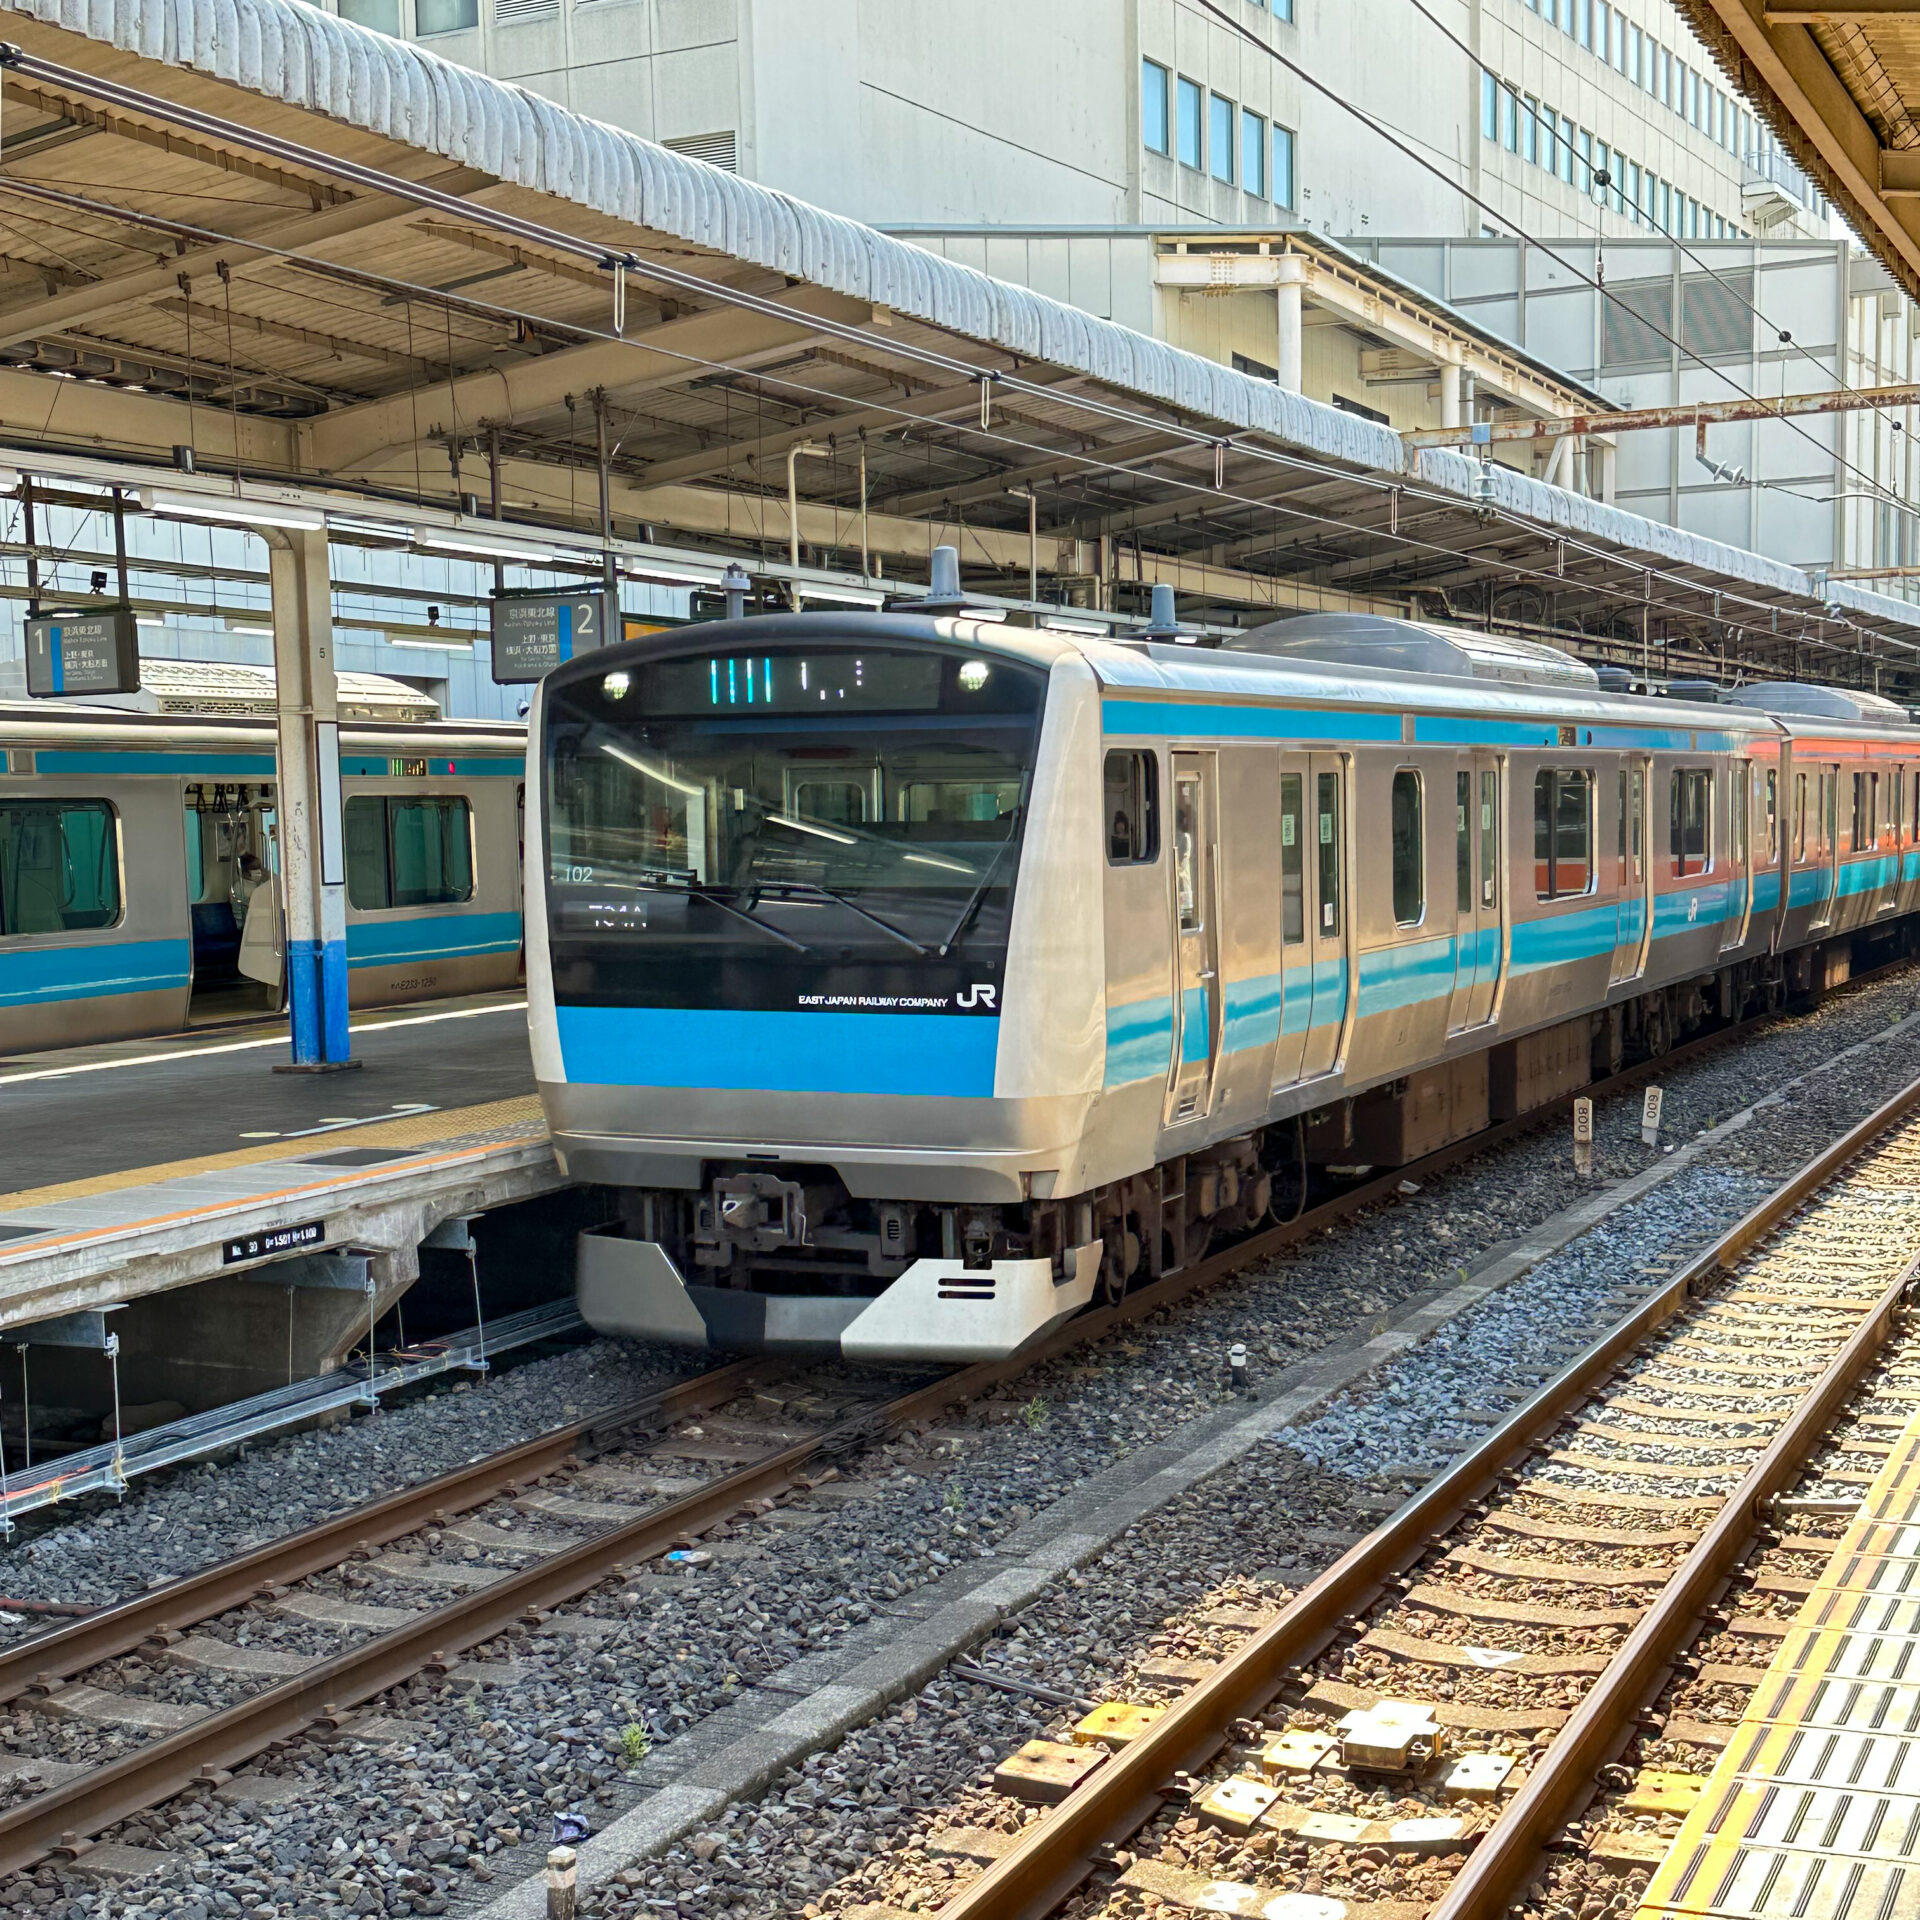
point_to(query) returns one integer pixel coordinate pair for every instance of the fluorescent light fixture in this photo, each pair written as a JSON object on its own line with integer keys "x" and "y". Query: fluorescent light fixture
{"x": 1079, "y": 626}
{"x": 265, "y": 633}
{"x": 432, "y": 646}
{"x": 482, "y": 550}
{"x": 670, "y": 576}
{"x": 367, "y": 529}
{"x": 934, "y": 860}
{"x": 842, "y": 596}
{"x": 807, "y": 826}
{"x": 149, "y": 619}
{"x": 614, "y": 751}
{"x": 246, "y": 513}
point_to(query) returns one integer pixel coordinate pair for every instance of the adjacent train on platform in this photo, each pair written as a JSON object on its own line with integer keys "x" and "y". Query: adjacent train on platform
{"x": 138, "y": 868}
{"x": 915, "y": 981}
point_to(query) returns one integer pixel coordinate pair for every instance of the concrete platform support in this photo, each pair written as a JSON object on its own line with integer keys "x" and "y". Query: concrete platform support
{"x": 1289, "y": 288}
{"x": 312, "y": 838}
{"x": 203, "y": 1346}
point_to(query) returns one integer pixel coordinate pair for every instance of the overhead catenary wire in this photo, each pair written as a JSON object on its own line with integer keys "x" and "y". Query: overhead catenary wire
{"x": 1597, "y": 285}
{"x": 1195, "y": 438}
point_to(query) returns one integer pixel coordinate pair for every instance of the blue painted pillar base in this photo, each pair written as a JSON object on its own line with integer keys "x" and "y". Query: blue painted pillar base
{"x": 317, "y": 1009}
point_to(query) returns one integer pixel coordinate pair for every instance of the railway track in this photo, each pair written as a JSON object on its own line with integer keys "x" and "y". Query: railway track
{"x": 563, "y": 1537}
{"x": 1458, "y": 1690}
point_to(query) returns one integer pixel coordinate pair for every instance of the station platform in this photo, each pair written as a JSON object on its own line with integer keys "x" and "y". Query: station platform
{"x": 146, "y": 1166}
{"x": 1814, "y": 1807}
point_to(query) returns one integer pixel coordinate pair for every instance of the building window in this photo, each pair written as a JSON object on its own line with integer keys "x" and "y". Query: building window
{"x": 1584, "y": 178}
{"x": 1191, "y": 136}
{"x": 1155, "y": 82}
{"x": 1253, "y": 152}
{"x": 1549, "y": 137}
{"x": 1220, "y": 139}
{"x": 59, "y": 866}
{"x": 1282, "y": 166}
{"x": 444, "y": 16}
{"x": 1509, "y": 121}
{"x": 1132, "y": 809}
{"x": 1633, "y": 68}
{"x": 1562, "y": 832}
{"x": 381, "y": 15}
{"x": 1489, "y": 106}
{"x": 1530, "y": 131}
{"x": 1690, "y": 822}
{"x": 1409, "y": 850}
{"x": 408, "y": 852}
{"x": 1583, "y": 22}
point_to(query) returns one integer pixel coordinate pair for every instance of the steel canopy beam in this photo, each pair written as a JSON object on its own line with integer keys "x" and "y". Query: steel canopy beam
{"x": 1710, "y": 413}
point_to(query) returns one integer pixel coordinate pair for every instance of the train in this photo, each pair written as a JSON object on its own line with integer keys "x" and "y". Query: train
{"x": 138, "y": 868}
{"x": 910, "y": 982}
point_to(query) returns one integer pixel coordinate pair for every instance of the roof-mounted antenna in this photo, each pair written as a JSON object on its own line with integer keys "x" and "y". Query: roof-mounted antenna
{"x": 1165, "y": 624}
{"x": 943, "y": 589}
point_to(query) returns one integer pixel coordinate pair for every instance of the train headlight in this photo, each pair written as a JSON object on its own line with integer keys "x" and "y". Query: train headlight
{"x": 615, "y": 686}
{"x": 973, "y": 676}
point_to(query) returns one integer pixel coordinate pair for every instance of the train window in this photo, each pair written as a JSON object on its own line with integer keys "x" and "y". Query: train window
{"x": 1799, "y": 816}
{"x": 841, "y": 803}
{"x": 1862, "y": 829}
{"x": 1562, "y": 832}
{"x": 1132, "y": 809}
{"x": 1740, "y": 811}
{"x": 59, "y": 866}
{"x": 1770, "y": 803}
{"x": 1409, "y": 850}
{"x": 1690, "y": 820}
{"x": 408, "y": 851}
{"x": 1327, "y": 840}
{"x": 1489, "y": 840}
{"x": 1463, "y": 843}
{"x": 1293, "y": 859}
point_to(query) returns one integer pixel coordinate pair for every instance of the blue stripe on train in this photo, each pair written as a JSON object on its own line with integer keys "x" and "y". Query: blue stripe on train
{"x": 384, "y": 943}
{"x": 33, "y": 976}
{"x": 944, "y": 1055}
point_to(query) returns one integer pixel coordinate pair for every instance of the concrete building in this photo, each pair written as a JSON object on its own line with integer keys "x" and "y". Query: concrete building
{"x": 1165, "y": 112}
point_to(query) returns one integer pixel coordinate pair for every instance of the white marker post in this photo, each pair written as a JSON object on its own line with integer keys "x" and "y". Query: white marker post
{"x": 1650, "y": 1116}
{"x": 1583, "y": 1135}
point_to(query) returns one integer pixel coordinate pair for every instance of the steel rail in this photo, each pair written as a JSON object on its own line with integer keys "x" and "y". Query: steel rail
{"x": 1056, "y": 1852}
{"x": 113, "y": 1630}
{"x": 64, "y": 1817}
{"x": 1508, "y": 1854}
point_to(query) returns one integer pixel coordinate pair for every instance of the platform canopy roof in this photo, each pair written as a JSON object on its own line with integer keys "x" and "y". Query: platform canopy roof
{"x": 1839, "y": 82}
{"x": 322, "y": 258}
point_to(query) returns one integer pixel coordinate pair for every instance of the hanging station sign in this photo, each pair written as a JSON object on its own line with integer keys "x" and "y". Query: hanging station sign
{"x": 535, "y": 632}
{"x": 96, "y": 650}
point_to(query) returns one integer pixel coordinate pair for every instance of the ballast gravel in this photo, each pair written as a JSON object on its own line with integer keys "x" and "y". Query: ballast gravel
{"x": 451, "y": 1793}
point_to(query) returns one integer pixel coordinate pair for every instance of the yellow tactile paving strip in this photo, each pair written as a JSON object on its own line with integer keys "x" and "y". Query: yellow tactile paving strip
{"x": 1813, "y": 1811}
{"x": 449, "y": 1126}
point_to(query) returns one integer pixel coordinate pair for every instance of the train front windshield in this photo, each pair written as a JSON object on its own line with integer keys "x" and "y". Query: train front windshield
{"x": 828, "y": 826}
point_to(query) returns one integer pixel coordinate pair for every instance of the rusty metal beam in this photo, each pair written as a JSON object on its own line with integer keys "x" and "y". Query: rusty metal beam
{"x": 1784, "y": 13}
{"x": 1709, "y": 412}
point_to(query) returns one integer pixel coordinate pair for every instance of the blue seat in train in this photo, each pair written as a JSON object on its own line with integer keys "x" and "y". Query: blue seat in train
{"x": 216, "y": 943}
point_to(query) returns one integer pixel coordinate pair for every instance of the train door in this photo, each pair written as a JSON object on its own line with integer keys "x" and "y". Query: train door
{"x": 233, "y": 896}
{"x": 1196, "y": 1007}
{"x": 1476, "y": 888}
{"x": 1740, "y": 858}
{"x": 1327, "y": 859}
{"x": 1635, "y": 912}
{"x": 1886, "y": 821}
{"x": 1826, "y": 826}
{"x": 1296, "y": 918}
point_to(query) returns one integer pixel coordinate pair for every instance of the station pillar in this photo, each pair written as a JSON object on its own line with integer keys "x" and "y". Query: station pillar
{"x": 312, "y": 836}
{"x": 1289, "y": 291}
